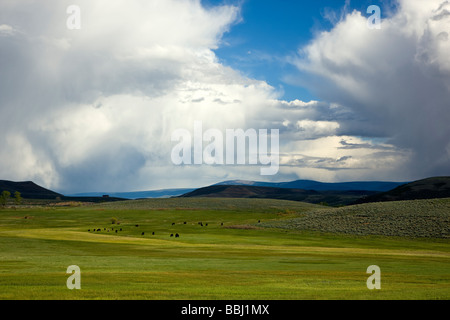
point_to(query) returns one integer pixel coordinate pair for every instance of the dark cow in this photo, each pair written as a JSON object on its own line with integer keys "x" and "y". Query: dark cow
{"x": 153, "y": 233}
{"x": 171, "y": 235}
{"x": 142, "y": 233}
{"x": 177, "y": 235}
{"x": 173, "y": 223}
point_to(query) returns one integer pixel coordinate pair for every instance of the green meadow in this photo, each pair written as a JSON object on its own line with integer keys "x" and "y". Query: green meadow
{"x": 249, "y": 249}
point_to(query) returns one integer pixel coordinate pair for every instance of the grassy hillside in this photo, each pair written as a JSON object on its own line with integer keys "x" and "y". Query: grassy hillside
{"x": 414, "y": 218}
{"x": 430, "y": 188}
{"x": 237, "y": 255}
{"x": 333, "y": 197}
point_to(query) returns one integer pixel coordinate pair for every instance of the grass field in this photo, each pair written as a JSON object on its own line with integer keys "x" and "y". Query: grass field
{"x": 288, "y": 255}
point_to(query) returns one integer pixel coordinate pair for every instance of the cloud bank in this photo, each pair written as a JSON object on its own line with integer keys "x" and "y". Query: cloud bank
{"x": 94, "y": 109}
{"x": 396, "y": 80}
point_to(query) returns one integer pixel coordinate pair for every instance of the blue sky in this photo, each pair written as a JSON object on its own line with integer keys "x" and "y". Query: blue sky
{"x": 270, "y": 31}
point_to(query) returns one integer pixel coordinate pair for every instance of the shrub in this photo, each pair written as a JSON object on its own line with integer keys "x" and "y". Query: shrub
{"x": 17, "y": 198}
{"x": 4, "y": 198}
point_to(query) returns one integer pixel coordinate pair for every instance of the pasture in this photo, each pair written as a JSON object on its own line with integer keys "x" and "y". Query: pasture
{"x": 249, "y": 249}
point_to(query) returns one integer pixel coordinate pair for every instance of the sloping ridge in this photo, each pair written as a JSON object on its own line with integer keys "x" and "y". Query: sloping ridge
{"x": 30, "y": 190}
{"x": 376, "y": 186}
{"x": 242, "y": 191}
{"x": 310, "y": 196}
{"x": 27, "y": 189}
{"x": 430, "y": 188}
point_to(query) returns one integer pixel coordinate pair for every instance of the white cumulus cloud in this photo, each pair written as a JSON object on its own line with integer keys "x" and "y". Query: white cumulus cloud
{"x": 396, "y": 80}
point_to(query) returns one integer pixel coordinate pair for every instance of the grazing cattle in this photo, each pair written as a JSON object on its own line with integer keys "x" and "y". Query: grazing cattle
{"x": 153, "y": 233}
{"x": 120, "y": 229}
{"x": 221, "y": 224}
{"x": 173, "y": 223}
{"x": 259, "y": 221}
{"x": 98, "y": 230}
{"x": 89, "y": 230}
{"x": 104, "y": 228}
{"x": 116, "y": 231}
{"x": 201, "y": 224}
{"x": 184, "y": 222}
{"x": 206, "y": 225}
{"x": 137, "y": 225}
{"x": 171, "y": 235}
{"x": 142, "y": 233}
{"x": 177, "y": 235}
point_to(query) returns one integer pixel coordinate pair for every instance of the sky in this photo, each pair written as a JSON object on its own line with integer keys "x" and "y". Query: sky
{"x": 90, "y": 99}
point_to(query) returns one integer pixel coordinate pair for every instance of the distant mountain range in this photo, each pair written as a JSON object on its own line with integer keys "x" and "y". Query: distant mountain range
{"x": 377, "y": 186}
{"x": 330, "y": 197}
{"x": 340, "y": 193}
{"x": 30, "y": 190}
{"x": 334, "y": 194}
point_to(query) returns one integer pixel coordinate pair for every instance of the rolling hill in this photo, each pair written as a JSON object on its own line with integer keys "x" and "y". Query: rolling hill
{"x": 354, "y": 187}
{"x": 333, "y": 198}
{"x": 335, "y": 194}
{"x": 430, "y": 188}
{"x": 378, "y": 186}
{"x": 28, "y": 189}
{"x": 426, "y": 218}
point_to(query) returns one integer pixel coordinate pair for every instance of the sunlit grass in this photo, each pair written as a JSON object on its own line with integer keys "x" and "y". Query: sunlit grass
{"x": 211, "y": 262}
